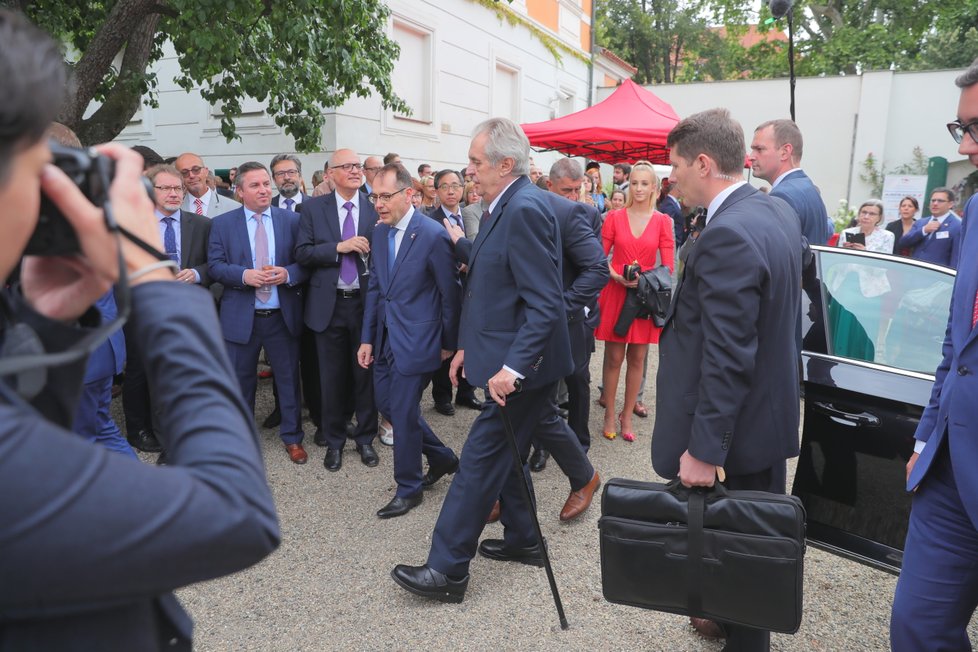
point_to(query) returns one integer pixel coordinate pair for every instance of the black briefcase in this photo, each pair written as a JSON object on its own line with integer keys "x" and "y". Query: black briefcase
{"x": 730, "y": 556}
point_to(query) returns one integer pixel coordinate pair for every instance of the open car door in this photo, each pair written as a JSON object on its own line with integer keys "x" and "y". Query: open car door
{"x": 872, "y": 330}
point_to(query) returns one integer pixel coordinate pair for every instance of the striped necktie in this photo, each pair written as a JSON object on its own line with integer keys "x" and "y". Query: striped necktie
{"x": 199, "y": 206}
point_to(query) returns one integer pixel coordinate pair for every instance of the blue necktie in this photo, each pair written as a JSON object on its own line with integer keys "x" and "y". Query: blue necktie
{"x": 170, "y": 240}
{"x": 457, "y": 219}
{"x": 391, "y": 251}
{"x": 289, "y": 203}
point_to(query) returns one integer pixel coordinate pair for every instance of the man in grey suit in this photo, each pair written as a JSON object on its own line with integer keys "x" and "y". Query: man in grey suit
{"x": 200, "y": 198}
{"x": 775, "y": 156}
{"x": 727, "y": 387}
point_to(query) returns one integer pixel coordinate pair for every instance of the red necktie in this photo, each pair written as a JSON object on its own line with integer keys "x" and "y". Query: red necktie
{"x": 485, "y": 216}
{"x": 200, "y": 206}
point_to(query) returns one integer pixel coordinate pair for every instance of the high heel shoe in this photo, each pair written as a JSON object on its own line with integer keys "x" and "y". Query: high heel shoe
{"x": 627, "y": 436}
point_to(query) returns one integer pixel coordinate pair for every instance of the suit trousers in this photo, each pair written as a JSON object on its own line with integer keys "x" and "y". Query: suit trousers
{"x": 337, "y": 347}
{"x": 579, "y": 397}
{"x": 937, "y": 592}
{"x": 282, "y": 348}
{"x": 136, "y": 405}
{"x": 93, "y": 417}
{"x": 485, "y": 473}
{"x": 441, "y": 385}
{"x": 555, "y": 435}
{"x": 399, "y": 397}
{"x": 773, "y": 480}
{"x": 309, "y": 373}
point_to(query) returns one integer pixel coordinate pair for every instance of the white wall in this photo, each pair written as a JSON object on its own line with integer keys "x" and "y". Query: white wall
{"x": 842, "y": 120}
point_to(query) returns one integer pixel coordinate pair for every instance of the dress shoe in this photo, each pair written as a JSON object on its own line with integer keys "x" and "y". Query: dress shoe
{"x": 538, "y": 461}
{"x": 368, "y": 455}
{"x": 470, "y": 402}
{"x": 563, "y": 413}
{"x": 578, "y": 501}
{"x": 445, "y": 408}
{"x": 319, "y": 438}
{"x": 434, "y": 474}
{"x": 494, "y": 513}
{"x": 498, "y": 550}
{"x": 707, "y": 628}
{"x": 399, "y": 506}
{"x": 333, "y": 460}
{"x": 640, "y": 410}
{"x": 146, "y": 442}
{"x": 273, "y": 420}
{"x": 429, "y": 583}
{"x": 296, "y": 453}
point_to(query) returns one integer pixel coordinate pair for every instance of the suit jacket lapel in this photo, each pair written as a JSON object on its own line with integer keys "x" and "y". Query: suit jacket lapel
{"x": 186, "y": 237}
{"x": 243, "y": 240}
{"x": 281, "y": 246}
{"x": 490, "y": 224}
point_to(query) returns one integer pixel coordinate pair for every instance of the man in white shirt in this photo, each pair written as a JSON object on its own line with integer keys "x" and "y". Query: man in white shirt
{"x": 200, "y": 198}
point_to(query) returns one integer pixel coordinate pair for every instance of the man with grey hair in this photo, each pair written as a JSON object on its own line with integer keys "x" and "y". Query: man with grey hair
{"x": 371, "y": 166}
{"x": 513, "y": 340}
{"x": 937, "y": 591}
{"x": 727, "y": 390}
{"x": 287, "y": 175}
{"x": 200, "y": 198}
{"x": 775, "y": 156}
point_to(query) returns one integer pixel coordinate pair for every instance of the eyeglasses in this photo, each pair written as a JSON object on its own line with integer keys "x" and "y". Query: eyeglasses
{"x": 285, "y": 173}
{"x": 194, "y": 170}
{"x": 375, "y": 168}
{"x": 384, "y": 197}
{"x": 167, "y": 189}
{"x": 935, "y": 200}
{"x": 347, "y": 167}
{"x": 451, "y": 186}
{"x": 958, "y": 130}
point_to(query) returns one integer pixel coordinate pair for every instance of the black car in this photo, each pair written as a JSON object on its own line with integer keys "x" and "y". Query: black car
{"x": 872, "y": 329}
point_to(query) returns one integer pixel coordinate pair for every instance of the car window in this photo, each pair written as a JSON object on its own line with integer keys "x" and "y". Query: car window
{"x": 885, "y": 310}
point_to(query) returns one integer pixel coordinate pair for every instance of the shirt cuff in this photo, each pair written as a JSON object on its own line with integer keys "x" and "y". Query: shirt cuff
{"x": 514, "y": 372}
{"x": 197, "y": 276}
{"x": 918, "y": 446}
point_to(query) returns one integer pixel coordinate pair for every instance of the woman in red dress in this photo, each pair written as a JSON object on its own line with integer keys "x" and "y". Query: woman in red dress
{"x": 635, "y": 233}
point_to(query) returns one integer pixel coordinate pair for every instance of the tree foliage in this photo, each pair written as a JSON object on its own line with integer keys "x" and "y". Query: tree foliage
{"x": 299, "y": 56}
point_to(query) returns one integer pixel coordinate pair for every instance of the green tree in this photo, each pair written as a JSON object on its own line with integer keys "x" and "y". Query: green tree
{"x": 300, "y": 56}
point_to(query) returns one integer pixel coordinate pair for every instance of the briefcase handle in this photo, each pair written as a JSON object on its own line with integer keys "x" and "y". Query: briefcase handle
{"x": 681, "y": 491}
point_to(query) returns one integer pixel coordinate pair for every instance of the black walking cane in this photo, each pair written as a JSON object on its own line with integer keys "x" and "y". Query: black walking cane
{"x": 518, "y": 468}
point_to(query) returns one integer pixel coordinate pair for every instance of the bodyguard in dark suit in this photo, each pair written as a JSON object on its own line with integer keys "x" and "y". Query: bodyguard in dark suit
{"x": 513, "y": 328}
{"x": 936, "y": 239}
{"x": 775, "y": 156}
{"x": 334, "y": 240}
{"x": 937, "y": 592}
{"x": 727, "y": 388}
{"x": 185, "y": 236}
{"x": 251, "y": 253}
{"x": 410, "y": 325}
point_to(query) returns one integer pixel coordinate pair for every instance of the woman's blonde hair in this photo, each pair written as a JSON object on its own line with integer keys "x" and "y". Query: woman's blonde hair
{"x": 642, "y": 166}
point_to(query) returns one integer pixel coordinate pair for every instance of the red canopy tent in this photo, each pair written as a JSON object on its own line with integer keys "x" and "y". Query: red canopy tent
{"x": 631, "y": 124}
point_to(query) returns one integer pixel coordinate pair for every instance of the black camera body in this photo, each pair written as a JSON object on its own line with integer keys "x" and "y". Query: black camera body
{"x": 631, "y": 271}
{"x": 93, "y": 174}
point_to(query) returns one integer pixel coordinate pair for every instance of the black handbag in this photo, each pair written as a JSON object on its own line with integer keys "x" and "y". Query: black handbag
{"x": 730, "y": 556}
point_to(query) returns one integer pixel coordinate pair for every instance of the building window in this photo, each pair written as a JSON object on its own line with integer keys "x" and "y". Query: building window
{"x": 506, "y": 92}
{"x": 413, "y": 71}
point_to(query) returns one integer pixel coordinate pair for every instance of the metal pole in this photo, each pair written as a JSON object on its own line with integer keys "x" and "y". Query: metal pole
{"x": 791, "y": 60}
{"x": 518, "y": 469}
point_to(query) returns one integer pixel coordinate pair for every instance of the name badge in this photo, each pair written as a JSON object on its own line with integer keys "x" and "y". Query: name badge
{"x": 942, "y": 235}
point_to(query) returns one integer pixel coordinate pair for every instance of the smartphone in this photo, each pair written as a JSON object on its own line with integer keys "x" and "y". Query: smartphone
{"x": 858, "y": 238}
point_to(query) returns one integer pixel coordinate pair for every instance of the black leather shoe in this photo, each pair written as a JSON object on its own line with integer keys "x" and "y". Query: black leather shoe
{"x": 319, "y": 438}
{"x": 333, "y": 460}
{"x": 538, "y": 461}
{"x": 145, "y": 441}
{"x": 368, "y": 455}
{"x": 400, "y": 506}
{"x": 445, "y": 408}
{"x": 273, "y": 420}
{"x": 429, "y": 583}
{"x": 470, "y": 402}
{"x": 497, "y": 549}
{"x": 435, "y": 474}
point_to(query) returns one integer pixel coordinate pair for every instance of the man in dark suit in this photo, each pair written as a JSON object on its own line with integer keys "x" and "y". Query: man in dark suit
{"x": 513, "y": 335}
{"x": 251, "y": 253}
{"x": 334, "y": 243}
{"x": 410, "y": 326}
{"x": 727, "y": 387}
{"x": 287, "y": 175}
{"x": 70, "y": 511}
{"x": 670, "y": 206}
{"x": 936, "y": 239}
{"x": 775, "y": 156}
{"x": 184, "y": 236}
{"x": 937, "y": 591}
{"x": 449, "y": 187}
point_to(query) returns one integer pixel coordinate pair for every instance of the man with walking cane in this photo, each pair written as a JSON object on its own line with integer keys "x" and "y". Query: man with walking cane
{"x": 513, "y": 334}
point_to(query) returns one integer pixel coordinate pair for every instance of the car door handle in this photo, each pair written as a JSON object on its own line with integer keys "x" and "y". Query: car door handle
{"x": 848, "y": 418}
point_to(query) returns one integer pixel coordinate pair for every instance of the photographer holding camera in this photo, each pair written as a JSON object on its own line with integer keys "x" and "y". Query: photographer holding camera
{"x": 92, "y": 543}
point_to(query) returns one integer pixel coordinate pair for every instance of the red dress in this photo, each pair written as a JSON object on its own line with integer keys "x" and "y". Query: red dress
{"x": 617, "y": 237}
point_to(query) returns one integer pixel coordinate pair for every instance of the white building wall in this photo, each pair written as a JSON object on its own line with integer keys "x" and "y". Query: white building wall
{"x": 842, "y": 120}
{"x": 467, "y": 43}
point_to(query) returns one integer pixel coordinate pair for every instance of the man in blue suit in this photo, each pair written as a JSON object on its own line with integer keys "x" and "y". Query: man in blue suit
{"x": 410, "y": 325}
{"x": 250, "y": 253}
{"x": 513, "y": 340}
{"x": 937, "y": 591}
{"x": 775, "y": 156}
{"x": 936, "y": 239}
